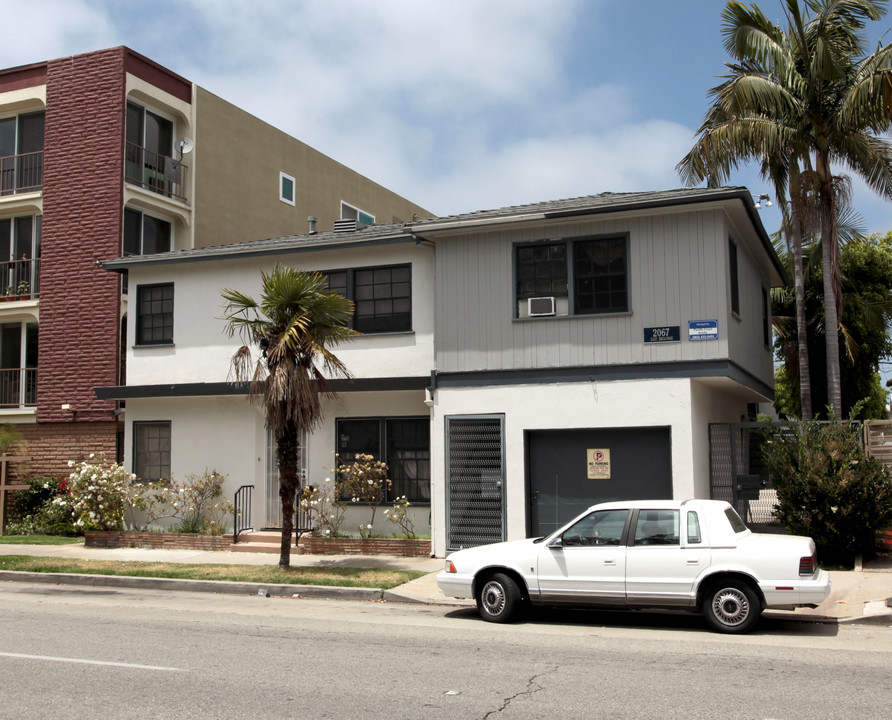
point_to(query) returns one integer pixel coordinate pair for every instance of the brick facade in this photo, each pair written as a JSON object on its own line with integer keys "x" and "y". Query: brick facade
{"x": 82, "y": 202}
{"x": 51, "y": 445}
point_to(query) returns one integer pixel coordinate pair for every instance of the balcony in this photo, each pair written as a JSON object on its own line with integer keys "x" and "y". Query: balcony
{"x": 21, "y": 173}
{"x": 20, "y": 279}
{"x": 18, "y": 388}
{"x": 159, "y": 173}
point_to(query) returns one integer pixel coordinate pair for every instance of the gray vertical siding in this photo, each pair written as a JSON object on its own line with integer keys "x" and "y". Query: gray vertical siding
{"x": 678, "y": 271}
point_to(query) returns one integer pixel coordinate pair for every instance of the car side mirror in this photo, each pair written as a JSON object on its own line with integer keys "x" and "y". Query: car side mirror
{"x": 558, "y": 542}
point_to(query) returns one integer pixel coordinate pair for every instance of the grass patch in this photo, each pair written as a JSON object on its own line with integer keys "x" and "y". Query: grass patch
{"x": 328, "y": 576}
{"x": 39, "y": 540}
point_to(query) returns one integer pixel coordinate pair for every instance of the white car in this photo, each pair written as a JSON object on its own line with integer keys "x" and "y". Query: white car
{"x": 693, "y": 554}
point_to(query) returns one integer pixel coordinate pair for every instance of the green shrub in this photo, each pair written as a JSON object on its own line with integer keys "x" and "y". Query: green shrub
{"x": 40, "y": 490}
{"x": 828, "y": 488}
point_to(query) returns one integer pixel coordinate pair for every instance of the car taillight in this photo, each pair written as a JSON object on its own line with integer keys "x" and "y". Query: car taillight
{"x": 808, "y": 564}
{"x": 450, "y": 568}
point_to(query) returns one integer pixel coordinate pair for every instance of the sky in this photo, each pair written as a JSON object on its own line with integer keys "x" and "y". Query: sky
{"x": 458, "y": 105}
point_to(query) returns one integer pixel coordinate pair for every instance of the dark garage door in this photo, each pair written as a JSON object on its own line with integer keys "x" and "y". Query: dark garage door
{"x": 640, "y": 468}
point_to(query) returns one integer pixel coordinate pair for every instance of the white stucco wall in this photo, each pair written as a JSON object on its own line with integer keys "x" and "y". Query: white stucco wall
{"x": 202, "y": 350}
{"x": 633, "y": 403}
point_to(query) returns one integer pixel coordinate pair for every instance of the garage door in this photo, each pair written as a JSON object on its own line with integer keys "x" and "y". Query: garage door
{"x": 626, "y": 464}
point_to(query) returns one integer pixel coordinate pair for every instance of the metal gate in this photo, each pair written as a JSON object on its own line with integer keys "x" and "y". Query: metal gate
{"x": 738, "y": 473}
{"x": 475, "y": 479}
{"x": 273, "y": 514}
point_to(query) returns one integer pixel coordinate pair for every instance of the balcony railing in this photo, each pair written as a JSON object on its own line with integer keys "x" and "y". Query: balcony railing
{"x": 21, "y": 173}
{"x": 18, "y": 387}
{"x": 158, "y": 173}
{"x": 20, "y": 279}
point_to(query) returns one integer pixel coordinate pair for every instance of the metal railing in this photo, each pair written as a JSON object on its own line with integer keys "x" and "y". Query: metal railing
{"x": 159, "y": 173}
{"x": 241, "y": 516}
{"x": 18, "y": 387}
{"x": 21, "y": 173}
{"x": 20, "y": 279}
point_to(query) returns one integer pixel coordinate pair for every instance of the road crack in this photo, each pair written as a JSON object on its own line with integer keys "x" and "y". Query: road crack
{"x": 532, "y": 688}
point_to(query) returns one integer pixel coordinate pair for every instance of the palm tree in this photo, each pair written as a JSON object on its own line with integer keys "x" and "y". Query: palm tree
{"x": 797, "y": 100}
{"x": 293, "y": 325}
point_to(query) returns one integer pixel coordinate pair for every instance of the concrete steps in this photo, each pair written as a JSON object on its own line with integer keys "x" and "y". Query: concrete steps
{"x": 260, "y": 541}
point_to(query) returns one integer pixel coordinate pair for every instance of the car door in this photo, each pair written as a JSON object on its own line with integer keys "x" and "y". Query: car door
{"x": 587, "y": 562}
{"x": 662, "y": 562}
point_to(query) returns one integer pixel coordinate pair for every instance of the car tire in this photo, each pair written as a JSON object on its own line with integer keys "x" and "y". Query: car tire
{"x": 498, "y": 598}
{"x": 731, "y": 606}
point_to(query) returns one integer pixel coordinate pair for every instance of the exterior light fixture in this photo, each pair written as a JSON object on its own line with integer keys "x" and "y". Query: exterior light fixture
{"x": 760, "y": 198}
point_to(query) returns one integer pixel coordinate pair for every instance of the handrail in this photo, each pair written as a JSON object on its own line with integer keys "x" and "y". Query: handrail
{"x": 242, "y": 509}
{"x": 156, "y": 172}
{"x": 21, "y": 173}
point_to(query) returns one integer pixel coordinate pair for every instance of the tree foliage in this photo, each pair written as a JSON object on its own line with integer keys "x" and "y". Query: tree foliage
{"x": 293, "y": 326}
{"x": 864, "y": 335}
{"x": 827, "y": 487}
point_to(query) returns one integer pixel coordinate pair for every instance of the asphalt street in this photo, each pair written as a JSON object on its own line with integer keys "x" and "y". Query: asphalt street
{"x": 87, "y": 652}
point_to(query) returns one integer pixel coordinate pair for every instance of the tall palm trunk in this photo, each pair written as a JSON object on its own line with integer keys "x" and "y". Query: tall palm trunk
{"x": 830, "y": 265}
{"x": 799, "y": 288}
{"x": 288, "y": 458}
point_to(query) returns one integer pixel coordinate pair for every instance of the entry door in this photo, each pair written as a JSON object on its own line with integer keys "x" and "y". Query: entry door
{"x": 639, "y": 468}
{"x": 475, "y": 480}
{"x": 273, "y": 501}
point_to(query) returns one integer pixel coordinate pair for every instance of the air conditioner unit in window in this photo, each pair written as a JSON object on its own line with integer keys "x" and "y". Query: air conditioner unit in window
{"x": 540, "y": 306}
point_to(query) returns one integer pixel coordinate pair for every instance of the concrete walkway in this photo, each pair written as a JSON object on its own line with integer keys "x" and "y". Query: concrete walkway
{"x": 856, "y": 596}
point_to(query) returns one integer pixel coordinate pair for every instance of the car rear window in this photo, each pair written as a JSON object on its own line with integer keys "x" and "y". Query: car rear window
{"x": 737, "y": 525}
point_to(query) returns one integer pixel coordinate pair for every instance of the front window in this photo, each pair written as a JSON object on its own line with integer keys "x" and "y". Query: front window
{"x": 402, "y": 443}
{"x": 21, "y": 153}
{"x": 20, "y": 256}
{"x": 585, "y": 276}
{"x": 154, "y": 314}
{"x": 151, "y": 450}
{"x": 602, "y": 527}
{"x": 286, "y": 188}
{"x": 382, "y": 296}
{"x": 18, "y": 364}
{"x": 145, "y": 234}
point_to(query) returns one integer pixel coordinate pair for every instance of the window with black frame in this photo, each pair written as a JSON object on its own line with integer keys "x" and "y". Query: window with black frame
{"x": 151, "y": 450}
{"x": 382, "y": 296}
{"x": 402, "y": 443}
{"x": 154, "y": 314}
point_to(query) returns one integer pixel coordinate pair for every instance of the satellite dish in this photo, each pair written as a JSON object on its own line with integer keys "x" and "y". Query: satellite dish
{"x": 185, "y": 145}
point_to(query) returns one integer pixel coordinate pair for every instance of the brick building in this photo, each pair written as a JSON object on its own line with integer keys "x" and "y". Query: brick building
{"x": 108, "y": 154}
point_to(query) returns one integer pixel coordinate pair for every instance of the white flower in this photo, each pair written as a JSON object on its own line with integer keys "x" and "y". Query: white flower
{"x": 369, "y": 527}
{"x": 71, "y": 463}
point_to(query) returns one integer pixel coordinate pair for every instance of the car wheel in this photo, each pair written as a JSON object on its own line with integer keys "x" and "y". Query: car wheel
{"x": 498, "y": 598}
{"x": 731, "y": 606}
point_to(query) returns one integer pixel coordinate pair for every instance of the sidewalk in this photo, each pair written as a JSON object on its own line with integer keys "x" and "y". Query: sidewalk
{"x": 856, "y": 596}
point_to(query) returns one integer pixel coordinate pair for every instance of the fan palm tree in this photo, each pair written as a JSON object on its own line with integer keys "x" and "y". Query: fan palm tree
{"x": 797, "y": 100}
{"x": 293, "y": 325}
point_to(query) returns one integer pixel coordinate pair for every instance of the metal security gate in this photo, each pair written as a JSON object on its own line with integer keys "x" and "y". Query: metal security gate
{"x": 273, "y": 514}
{"x": 475, "y": 480}
{"x": 739, "y": 475}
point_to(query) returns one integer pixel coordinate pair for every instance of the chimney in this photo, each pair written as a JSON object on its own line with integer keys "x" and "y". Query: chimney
{"x": 312, "y": 220}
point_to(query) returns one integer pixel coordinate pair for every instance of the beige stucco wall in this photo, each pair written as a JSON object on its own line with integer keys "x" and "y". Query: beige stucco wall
{"x": 237, "y": 161}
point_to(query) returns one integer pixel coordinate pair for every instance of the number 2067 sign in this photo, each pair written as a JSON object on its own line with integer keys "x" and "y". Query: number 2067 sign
{"x": 667, "y": 333}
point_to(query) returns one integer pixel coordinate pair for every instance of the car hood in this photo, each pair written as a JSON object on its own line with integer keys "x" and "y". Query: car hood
{"x": 496, "y": 552}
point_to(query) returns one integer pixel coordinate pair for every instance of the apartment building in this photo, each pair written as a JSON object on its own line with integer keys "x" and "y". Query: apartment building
{"x": 109, "y": 154}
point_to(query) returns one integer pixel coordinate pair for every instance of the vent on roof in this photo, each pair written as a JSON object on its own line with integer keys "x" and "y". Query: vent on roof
{"x": 343, "y": 226}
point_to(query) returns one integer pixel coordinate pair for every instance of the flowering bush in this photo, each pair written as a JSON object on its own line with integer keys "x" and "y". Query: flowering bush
{"x": 324, "y": 514}
{"x": 199, "y": 504}
{"x": 37, "y": 513}
{"x": 399, "y": 515}
{"x": 364, "y": 480}
{"x": 97, "y": 494}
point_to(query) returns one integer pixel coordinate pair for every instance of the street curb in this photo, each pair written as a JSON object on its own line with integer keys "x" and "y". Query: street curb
{"x": 208, "y": 586}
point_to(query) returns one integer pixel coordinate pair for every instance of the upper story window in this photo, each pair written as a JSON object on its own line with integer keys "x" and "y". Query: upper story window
{"x": 20, "y": 256}
{"x": 286, "y": 188}
{"x": 154, "y": 314}
{"x": 348, "y": 212}
{"x": 588, "y": 275}
{"x": 18, "y": 364}
{"x": 382, "y": 295}
{"x": 21, "y": 153}
{"x": 735, "y": 282}
{"x": 149, "y": 160}
{"x": 145, "y": 234}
